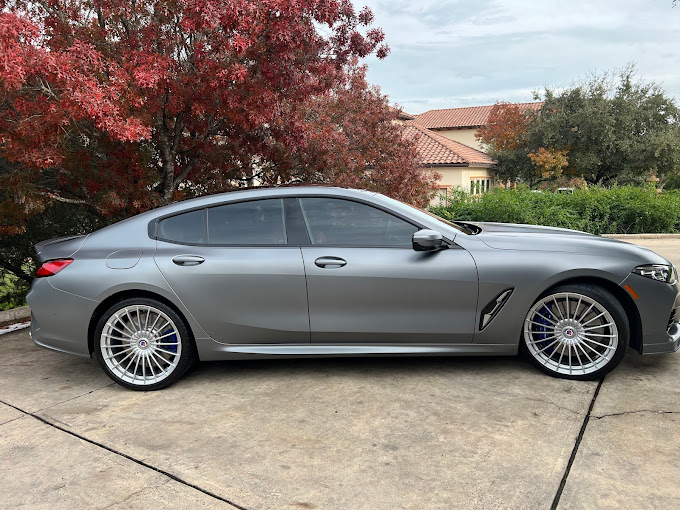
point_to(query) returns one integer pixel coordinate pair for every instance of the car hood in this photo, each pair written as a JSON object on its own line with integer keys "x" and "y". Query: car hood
{"x": 510, "y": 236}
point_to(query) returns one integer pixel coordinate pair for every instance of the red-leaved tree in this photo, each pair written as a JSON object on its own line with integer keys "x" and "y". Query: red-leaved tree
{"x": 352, "y": 140}
{"x": 505, "y": 128}
{"x": 120, "y": 106}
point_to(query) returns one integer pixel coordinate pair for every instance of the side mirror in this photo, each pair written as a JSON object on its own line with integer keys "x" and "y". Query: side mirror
{"x": 427, "y": 240}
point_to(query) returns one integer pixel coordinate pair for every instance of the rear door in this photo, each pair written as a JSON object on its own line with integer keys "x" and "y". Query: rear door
{"x": 232, "y": 267}
{"x": 366, "y": 284}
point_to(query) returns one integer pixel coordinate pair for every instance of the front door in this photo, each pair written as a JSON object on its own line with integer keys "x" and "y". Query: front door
{"x": 366, "y": 284}
{"x": 232, "y": 268}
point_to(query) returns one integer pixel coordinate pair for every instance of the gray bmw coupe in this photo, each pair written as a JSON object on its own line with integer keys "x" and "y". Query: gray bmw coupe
{"x": 314, "y": 271}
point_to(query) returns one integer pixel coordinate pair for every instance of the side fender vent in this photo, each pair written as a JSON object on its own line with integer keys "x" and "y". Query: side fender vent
{"x": 493, "y": 307}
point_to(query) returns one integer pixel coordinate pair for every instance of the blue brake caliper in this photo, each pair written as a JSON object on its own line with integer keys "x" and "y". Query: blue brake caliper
{"x": 172, "y": 339}
{"x": 545, "y": 330}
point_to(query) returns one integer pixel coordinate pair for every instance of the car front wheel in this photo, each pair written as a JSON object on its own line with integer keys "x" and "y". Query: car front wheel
{"x": 143, "y": 344}
{"x": 576, "y": 331}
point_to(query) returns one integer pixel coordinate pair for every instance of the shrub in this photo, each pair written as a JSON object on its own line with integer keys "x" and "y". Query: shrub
{"x": 598, "y": 210}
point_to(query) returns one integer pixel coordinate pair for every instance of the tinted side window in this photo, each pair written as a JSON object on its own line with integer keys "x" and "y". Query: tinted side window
{"x": 256, "y": 222}
{"x": 184, "y": 228}
{"x": 343, "y": 222}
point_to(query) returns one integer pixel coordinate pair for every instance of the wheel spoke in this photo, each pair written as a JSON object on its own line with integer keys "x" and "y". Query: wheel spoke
{"x": 118, "y": 353}
{"x": 584, "y": 352}
{"x": 591, "y": 320}
{"x": 569, "y": 351}
{"x": 127, "y": 312}
{"x": 585, "y": 314}
{"x": 121, "y": 361}
{"x": 548, "y": 346}
{"x": 167, "y": 323}
{"x": 173, "y": 332}
{"x": 541, "y": 325}
{"x": 545, "y": 305}
{"x": 559, "y": 362}
{"x": 167, "y": 352}
{"x": 578, "y": 357}
{"x": 134, "y": 357}
{"x": 598, "y": 327}
{"x": 158, "y": 316}
{"x": 120, "y": 321}
{"x": 595, "y": 351}
{"x": 544, "y": 317}
{"x": 156, "y": 362}
{"x": 139, "y": 319}
{"x": 542, "y": 339}
{"x": 597, "y": 343}
{"x": 111, "y": 337}
{"x": 580, "y": 298}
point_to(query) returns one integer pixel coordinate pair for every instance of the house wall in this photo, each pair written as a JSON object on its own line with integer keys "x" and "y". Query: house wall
{"x": 454, "y": 177}
{"x": 464, "y": 136}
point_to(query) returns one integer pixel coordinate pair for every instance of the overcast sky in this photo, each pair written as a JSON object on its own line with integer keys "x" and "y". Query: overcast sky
{"x": 450, "y": 53}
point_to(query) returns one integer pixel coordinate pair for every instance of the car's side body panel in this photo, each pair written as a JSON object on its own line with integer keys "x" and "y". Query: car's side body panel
{"x": 391, "y": 295}
{"x": 241, "y": 294}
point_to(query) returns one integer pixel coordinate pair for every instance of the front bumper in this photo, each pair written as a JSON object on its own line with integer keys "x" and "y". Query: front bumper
{"x": 59, "y": 320}
{"x": 659, "y": 307}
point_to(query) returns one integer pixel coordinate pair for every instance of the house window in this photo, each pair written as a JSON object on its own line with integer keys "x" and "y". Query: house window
{"x": 480, "y": 185}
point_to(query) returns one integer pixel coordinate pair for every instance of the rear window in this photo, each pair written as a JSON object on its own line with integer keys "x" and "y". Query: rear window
{"x": 259, "y": 222}
{"x": 184, "y": 228}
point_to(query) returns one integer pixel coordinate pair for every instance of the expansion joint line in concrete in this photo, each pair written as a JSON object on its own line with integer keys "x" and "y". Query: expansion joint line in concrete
{"x": 574, "y": 451}
{"x": 124, "y": 455}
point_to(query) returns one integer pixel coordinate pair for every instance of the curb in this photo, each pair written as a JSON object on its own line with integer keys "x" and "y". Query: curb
{"x": 14, "y": 315}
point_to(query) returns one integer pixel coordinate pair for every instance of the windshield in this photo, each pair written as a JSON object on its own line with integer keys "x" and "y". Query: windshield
{"x": 423, "y": 212}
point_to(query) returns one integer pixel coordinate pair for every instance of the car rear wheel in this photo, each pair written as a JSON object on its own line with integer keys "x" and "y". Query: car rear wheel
{"x": 576, "y": 332}
{"x": 143, "y": 344}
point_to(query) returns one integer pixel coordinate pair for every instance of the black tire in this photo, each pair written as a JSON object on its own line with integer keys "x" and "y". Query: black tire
{"x": 582, "y": 339}
{"x": 180, "y": 338}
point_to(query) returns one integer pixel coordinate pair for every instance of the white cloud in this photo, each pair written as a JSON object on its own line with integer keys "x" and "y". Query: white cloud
{"x": 457, "y": 53}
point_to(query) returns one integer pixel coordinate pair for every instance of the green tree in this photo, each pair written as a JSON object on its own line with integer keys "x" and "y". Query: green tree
{"x": 610, "y": 128}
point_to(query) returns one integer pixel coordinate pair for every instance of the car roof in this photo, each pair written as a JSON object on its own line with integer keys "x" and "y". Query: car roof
{"x": 262, "y": 192}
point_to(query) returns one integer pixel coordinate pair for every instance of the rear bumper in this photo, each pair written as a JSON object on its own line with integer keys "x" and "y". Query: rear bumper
{"x": 59, "y": 320}
{"x": 659, "y": 307}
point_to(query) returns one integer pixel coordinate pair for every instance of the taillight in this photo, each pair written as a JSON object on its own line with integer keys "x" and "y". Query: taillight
{"x": 52, "y": 267}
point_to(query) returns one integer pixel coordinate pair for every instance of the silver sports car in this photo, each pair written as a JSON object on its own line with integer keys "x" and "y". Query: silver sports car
{"x": 314, "y": 271}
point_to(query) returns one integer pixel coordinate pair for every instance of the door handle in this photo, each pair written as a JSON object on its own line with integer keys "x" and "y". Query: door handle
{"x": 330, "y": 262}
{"x": 188, "y": 260}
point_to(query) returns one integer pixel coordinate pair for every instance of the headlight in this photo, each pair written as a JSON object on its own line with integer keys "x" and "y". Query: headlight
{"x": 660, "y": 272}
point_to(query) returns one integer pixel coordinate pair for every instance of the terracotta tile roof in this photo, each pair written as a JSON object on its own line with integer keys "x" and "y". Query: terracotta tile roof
{"x": 402, "y": 114}
{"x": 470, "y": 117}
{"x": 436, "y": 149}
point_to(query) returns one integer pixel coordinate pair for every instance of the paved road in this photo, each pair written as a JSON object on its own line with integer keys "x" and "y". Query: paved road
{"x": 340, "y": 434}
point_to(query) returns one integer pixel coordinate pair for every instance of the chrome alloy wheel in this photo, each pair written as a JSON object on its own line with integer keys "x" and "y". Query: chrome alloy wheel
{"x": 570, "y": 333}
{"x": 140, "y": 345}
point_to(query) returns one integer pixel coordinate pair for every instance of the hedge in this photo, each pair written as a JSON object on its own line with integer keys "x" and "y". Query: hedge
{"x": 598, "y": 210}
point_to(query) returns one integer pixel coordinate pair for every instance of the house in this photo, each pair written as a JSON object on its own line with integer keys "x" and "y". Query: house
{"x": 447, "y": 144}
{"x": 458, "y": 164}
{"x": 461, "y": 124}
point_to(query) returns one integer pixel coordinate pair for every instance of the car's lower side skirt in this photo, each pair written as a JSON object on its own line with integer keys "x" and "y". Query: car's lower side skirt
{"x": 209, "y": 350}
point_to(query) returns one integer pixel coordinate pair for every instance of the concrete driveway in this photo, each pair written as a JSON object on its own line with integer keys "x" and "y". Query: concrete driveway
{"x": 420, "y": 433}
